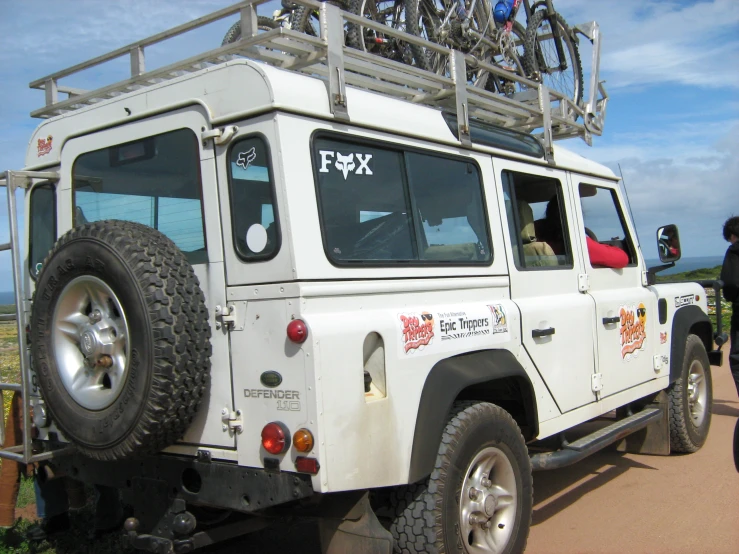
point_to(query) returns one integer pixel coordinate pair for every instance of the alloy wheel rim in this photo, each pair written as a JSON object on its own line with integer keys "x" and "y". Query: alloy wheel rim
{"x": 90, "y": 341}
{"x": 488, "y": 503}
{"x": 697, "y": 393}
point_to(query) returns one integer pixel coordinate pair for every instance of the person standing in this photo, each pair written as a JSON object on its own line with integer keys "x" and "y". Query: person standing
{"x": 730, "y": 277}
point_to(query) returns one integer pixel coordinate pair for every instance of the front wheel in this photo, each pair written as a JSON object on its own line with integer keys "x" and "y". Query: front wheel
{"x": 691, "y": 397}
{"x": 478, "y": 498}
{"x": 541, "y": 56}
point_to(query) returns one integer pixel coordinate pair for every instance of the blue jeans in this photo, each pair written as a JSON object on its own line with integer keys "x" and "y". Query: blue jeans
{"x": 52, "y": 500}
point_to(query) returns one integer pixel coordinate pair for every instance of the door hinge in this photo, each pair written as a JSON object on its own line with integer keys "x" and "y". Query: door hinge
{"x": 645, "y": 278}
{"x": 597, "y": 381}
{"x": 219, "y": 136}
{"x": 660, "y": 361}
{"x": 231, "y": 421}
{"x": 231, "y": 316}
{"x": 583, "y": 282}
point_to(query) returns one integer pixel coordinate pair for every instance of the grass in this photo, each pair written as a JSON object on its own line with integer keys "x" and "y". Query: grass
{"x": 707, "y": 274}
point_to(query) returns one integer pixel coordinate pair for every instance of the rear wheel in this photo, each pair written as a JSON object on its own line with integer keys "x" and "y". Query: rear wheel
{"x": 541, "y": 56}
{"x": 691, "y": 397}
{"x": 234, "y": 32}
{"x": 120, "y": 339}
{"x": 387, "y": 12}
{"x": 478, "y": 498}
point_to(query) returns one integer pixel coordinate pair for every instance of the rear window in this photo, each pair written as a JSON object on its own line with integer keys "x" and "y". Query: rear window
{"x": 381, "y": 205}
{"x": 256, "y": 233}
{"x": 154, "y": 181}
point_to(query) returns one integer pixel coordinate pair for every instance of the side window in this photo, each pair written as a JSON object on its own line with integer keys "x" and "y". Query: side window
{"x": 537, "y": 222}
{"x": 42, "y": 225}
{"x": 448, "y": 200}
{"x": 154, "y": 181}
{"x": 380, "y": 205}
{"x": 256, "y": 231}
{"x": 364, "y": 206}
{"x": 603, "y": 218}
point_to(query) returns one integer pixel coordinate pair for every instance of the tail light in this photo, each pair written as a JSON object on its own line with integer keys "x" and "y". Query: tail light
{"x": 303, "y": 440}
{"x": 307, "y": 465}
{"x": 275, "y": 438}
{"x": 297, "y": 331}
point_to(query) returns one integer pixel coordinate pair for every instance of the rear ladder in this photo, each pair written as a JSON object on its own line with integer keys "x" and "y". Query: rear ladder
{"x": 23, "y": 453}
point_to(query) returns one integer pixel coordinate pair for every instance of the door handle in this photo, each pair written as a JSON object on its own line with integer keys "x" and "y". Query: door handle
{"x": 609, "y": 320}
{"x": 537, "y": 333}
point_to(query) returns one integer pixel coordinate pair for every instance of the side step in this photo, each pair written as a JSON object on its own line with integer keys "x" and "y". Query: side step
{"x": 576, "y": 451}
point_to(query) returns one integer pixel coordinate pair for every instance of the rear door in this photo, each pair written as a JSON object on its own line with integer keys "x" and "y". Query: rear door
{"x": 557, "y": 320}
{"x": 158, "y": 172}
{"x": 626, "y": 311}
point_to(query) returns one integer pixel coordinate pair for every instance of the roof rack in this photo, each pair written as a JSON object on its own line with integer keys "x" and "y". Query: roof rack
{"x": 537, "y": 109}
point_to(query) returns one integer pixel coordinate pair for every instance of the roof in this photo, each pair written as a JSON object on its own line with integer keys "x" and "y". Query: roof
{"x": 219, "y": 91}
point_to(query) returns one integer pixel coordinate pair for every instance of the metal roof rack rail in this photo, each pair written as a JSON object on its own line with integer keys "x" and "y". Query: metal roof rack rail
{"x": 537, "y": 110}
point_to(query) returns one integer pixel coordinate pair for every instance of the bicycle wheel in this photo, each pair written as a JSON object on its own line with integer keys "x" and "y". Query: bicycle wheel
{"x": 429, "y": 19}
{"x": 541, "y": 56}
{"x": 387, "y": 12}
{"x": 306, "y": 20}
{"x": 234, "y": 32}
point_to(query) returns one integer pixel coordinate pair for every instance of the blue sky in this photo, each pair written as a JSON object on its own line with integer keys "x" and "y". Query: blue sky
{"x": 671, "y": 69}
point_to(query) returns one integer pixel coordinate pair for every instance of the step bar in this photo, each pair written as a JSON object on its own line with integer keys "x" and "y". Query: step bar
{"x": 581, "y": 448}
{"x": 23, "y": 453}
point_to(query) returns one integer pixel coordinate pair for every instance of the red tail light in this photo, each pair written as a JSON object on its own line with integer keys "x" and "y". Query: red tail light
{"x": 297, "y": 331}
{"x": 307, "y": 465}
{"x": 275, "y": 438}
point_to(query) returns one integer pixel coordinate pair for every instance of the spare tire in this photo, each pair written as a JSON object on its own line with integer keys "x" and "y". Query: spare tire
{"x": 120, "y": 339}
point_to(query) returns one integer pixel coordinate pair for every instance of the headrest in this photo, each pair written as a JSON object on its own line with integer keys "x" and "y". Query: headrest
{"x": 526, "y": 218}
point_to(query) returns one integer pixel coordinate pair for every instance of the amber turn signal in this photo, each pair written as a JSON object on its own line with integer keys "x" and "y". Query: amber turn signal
{"x": 303, "y": 440}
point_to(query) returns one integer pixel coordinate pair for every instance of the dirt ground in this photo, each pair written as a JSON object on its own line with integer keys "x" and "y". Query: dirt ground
{"x": 611, "y": 502}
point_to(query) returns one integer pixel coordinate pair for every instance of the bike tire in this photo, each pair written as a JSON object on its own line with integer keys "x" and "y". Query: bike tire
{"x": 537, "y": 54}
{"x": 306, "y": 20}
{"x": 387, "y": 12}
{"x": 234, "y": 32}
{"x": 420, "y": 21}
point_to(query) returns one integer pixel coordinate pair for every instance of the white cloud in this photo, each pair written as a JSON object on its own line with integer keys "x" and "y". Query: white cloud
{"x": 644, "y": 43}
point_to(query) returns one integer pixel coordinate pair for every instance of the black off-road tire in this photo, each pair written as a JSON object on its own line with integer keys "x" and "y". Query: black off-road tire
{"x": 169, "y": 338}
{"x": 425, "y": 515}
{"x": 234, "y": 32}
{"x": 685, "y": 436}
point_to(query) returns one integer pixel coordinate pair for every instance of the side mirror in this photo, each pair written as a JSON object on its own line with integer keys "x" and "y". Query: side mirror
{"x": 668, "y": 244}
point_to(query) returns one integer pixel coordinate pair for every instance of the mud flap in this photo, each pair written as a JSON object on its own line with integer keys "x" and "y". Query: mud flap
{"x": 356, "y": 530}
{"x": 654, "y": 438}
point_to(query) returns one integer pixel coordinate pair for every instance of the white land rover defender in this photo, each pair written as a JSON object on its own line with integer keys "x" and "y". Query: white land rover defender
{"x": 287, "y": 278}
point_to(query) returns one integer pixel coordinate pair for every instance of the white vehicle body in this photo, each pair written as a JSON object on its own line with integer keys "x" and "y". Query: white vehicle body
{"x": 356, "y": 314}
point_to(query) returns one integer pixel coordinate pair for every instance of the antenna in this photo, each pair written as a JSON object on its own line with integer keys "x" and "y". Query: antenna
{"x": 628, "y": 203}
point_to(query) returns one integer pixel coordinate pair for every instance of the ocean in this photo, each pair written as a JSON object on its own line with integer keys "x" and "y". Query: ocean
{"x": 689, "y": 264}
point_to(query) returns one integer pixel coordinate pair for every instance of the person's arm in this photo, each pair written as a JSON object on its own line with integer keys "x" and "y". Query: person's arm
{"x": 730, "y": 276}
{"x": 604, "y": 255}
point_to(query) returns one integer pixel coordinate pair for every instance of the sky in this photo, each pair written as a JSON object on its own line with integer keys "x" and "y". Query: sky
{"x": 671, "y": 69}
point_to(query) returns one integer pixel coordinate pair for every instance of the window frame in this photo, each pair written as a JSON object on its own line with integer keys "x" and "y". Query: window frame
{"x": 196, "y": 260}
{"x": 628, "y": 240}
{"x": 416, "y": 226}
{"x": 275, "y": 209}
{"x": 565, "y": 224}
{"x": 44, "y": 184}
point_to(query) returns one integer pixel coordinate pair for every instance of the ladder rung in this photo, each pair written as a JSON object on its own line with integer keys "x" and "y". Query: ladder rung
{"x": 5, "y": 246}
{"x": 11, "y": 386}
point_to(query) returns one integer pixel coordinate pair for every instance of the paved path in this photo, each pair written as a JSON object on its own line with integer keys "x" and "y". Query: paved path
{"x": 611, "y": 502}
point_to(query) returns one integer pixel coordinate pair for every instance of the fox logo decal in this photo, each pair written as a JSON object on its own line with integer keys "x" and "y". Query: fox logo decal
{"x": 345, "y": 163}
{"x": 245, "y": 158}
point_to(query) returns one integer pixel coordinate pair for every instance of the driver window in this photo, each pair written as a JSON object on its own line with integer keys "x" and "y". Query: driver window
{"x": 603, "y": 218}
{"x": 536, "y": 221}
